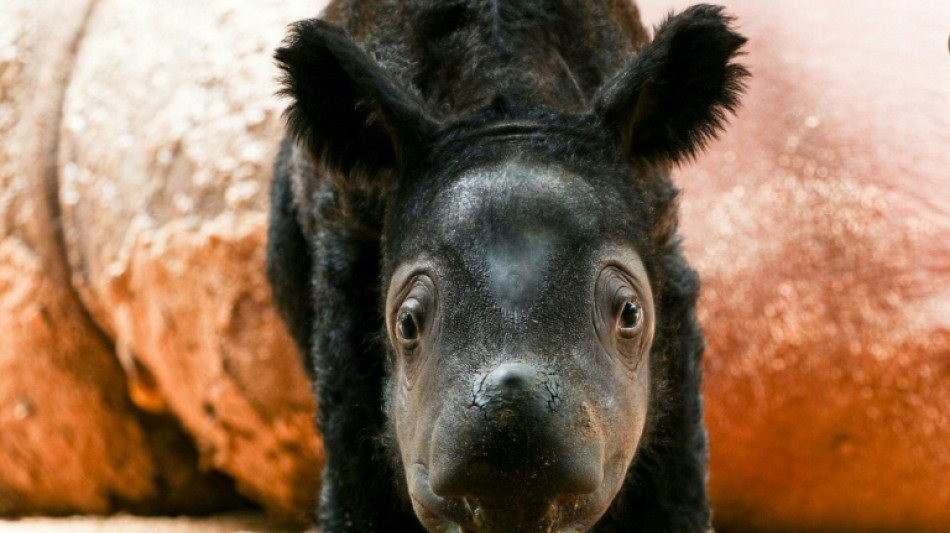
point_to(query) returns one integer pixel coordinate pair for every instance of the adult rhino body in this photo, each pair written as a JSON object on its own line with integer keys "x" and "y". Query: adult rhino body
{"x": 474, "y": 237}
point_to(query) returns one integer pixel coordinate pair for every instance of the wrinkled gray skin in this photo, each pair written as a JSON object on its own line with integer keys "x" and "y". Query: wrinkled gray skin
{"x": 520, "y": 407}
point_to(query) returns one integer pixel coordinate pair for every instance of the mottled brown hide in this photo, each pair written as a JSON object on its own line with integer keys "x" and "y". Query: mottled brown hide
{"x": 70, "y": 440}
{"x": 168, "y": 136}
{"x": 819, "y": 225}
{"x": 137, "y": 142}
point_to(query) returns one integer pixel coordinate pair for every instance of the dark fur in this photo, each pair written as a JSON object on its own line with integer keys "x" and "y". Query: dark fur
{"x": 567, "y": 65}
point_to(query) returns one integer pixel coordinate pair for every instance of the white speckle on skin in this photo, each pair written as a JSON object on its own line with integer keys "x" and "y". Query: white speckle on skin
{"x": 201, "y": 177}
{"x": 75, "y": 124}
{"x": 254, "y": 116}
{"x": 253, "y": 152}
{"x": 70, "y": 196}
{"x": 183, "y": 203}
{"x": 164, "y": 157}
{"x": 22, "y": 409}
{"x": 240, "y": 192}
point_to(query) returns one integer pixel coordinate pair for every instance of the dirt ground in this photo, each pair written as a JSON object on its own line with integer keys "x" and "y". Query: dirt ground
{"x": 235, "y": 523}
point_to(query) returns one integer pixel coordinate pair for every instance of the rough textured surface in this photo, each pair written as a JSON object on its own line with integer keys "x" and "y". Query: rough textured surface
{"x": 169, "y": 132}
{"x": 69, "y": 438}
{"x": 819, "y": 225}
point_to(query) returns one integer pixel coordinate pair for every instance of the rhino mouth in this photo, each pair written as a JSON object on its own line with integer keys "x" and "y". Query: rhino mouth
{"x": 470, "y": 515}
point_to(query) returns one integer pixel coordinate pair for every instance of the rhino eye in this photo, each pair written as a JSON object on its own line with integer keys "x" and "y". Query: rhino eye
{"x": 410, "y": 319}
{"x": 408, "y": 327}
{"x": 631, "y": 318}
{"x": 413, "y": 319}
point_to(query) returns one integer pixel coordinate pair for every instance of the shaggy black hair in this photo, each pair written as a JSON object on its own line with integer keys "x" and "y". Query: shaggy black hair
{"x": 385, "y": 91}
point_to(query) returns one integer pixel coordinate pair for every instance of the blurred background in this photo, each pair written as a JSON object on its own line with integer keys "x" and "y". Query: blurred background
{"x": 143, "y": 369}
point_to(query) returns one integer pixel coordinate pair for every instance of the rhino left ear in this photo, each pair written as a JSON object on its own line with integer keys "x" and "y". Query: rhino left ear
{"x": 352, "y": 114}
{"x": 674, "y": 96}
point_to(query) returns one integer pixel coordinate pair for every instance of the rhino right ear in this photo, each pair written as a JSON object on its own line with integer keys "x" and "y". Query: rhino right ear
{"x": 351, "y": 113}
{"x": 676, "y": 94}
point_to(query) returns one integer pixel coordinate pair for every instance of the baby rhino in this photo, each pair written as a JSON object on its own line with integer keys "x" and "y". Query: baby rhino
{"x": 473, "y": 241}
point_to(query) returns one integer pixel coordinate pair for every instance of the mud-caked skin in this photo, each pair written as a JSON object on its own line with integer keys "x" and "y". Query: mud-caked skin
{"x": 473, "y": 238}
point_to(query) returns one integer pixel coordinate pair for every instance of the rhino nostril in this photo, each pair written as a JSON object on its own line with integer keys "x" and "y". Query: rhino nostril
{"x": 516, "y": 389}
{"x": 507, "y": 382}
{"x": 512, "y": 377}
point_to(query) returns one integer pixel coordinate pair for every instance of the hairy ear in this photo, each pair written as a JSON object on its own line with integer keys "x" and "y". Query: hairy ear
{"x": 350, "y": 112}
{"x": 674, "y": 96}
